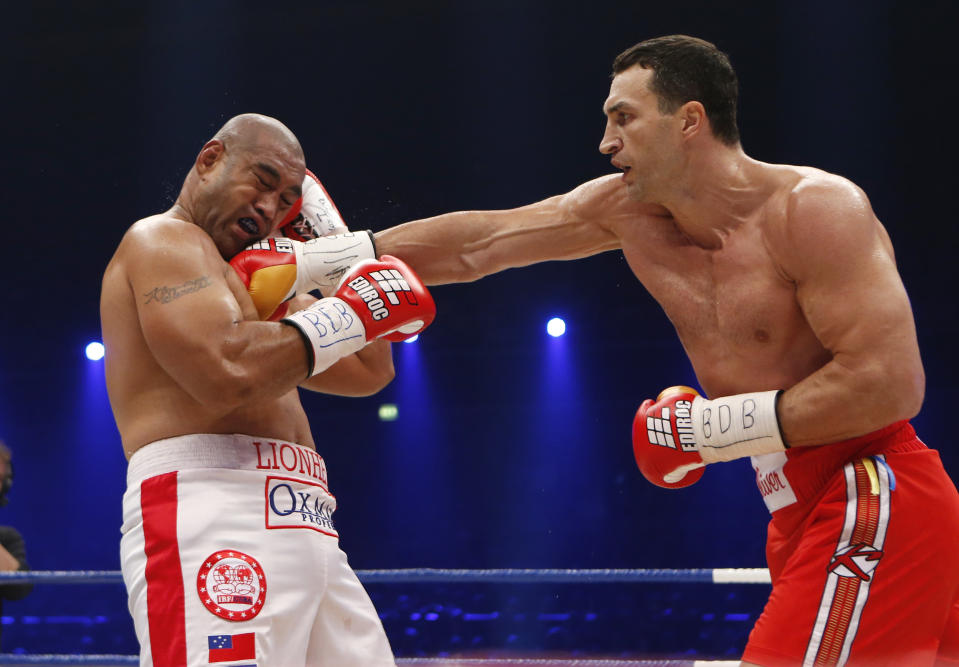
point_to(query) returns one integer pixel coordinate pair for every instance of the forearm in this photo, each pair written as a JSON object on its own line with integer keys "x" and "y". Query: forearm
{"x": 465, "y": 246}
{"x": 844, "y": 399}
{"x": 256, "y": 361}
{"x": 361, "y": 374}
{"x": 443, "y": 249}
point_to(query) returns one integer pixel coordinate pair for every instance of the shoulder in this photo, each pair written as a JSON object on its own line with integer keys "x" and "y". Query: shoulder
{"x": 606, "y": 201}
{"x": 155, "y": 230}
{"x": 820, "y": 195}
{"x": 164, "y": 238}
{"x": 823, "y": 216}
{"x": 600, "y": 193}
{"x": 159, "y": 249}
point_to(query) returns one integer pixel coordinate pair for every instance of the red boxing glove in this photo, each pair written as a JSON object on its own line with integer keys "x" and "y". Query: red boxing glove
{"x": 268, "y": 269}
{"x": 376, "y": 299}
{"x": 664, "y": 442}
{"x": 390, "y": 299}
{"x": 681, "y": 432}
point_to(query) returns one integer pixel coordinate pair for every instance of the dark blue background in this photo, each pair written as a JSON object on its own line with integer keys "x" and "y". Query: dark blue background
{"x": 512, "y": 449}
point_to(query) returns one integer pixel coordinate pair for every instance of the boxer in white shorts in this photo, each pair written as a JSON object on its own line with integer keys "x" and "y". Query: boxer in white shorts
{"x": 229, "y": 536}
{"x": 229, "y": 551}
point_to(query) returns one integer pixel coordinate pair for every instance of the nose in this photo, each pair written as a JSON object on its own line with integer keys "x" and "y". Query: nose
{"x": 267, "y": 205}
{"x": 610, "y": 144}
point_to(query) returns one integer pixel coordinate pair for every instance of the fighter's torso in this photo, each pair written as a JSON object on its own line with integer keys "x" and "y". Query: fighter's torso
{"x": 148, "y": 404}
{"x": 733, "y": 307}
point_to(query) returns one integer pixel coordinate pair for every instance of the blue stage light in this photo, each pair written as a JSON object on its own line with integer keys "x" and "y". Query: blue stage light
{"x": 556, "y": 327}
{"x": 95, "y": 351}
{"x": 413, "y": 339}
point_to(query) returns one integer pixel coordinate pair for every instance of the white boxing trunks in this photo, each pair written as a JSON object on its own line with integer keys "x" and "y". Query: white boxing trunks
{"x": 229, "y": 555}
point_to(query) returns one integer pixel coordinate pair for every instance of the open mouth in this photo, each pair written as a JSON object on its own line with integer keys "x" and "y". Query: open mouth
{"x": 249, "y": 225}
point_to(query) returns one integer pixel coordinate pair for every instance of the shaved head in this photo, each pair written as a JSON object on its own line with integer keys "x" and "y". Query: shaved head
{"x": 249, "y": 131}
{"x": 243, "y": 181}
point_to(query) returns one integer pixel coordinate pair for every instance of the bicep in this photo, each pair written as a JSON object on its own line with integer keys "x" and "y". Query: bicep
{"x": 185, "y": 306}
{"x": 847, "y": 283}
{"x": 850, "y": 293}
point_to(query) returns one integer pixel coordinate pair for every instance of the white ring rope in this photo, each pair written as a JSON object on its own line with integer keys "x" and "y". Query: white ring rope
{"x": 431, "y": 575}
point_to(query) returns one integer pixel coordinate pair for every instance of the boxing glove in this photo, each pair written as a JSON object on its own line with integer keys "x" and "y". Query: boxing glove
{"x": 279, "y": 268}
{"x": 663, "y": 441}
{"x": 375, "y": 299}
{"x": 680, "y": 432}
{"x": 312, "y": 215}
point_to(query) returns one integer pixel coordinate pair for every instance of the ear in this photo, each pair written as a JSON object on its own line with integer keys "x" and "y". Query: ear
{"x": 693, "y": 116}
{"x": 209, "y": 155}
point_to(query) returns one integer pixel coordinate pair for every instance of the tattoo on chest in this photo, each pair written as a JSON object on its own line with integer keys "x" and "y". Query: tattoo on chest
{"x": 166, "y": 294}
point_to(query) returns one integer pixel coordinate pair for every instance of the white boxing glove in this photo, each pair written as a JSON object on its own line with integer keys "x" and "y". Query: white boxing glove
{"x": 312, "y": 215}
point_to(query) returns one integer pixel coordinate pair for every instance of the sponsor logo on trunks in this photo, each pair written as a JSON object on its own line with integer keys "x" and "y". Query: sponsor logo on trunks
{"x": 231, "y": 585}
{"x": 291, "y": 458}
{"x": 292, "y": 503}
{"x": 769, "y": 482}
{"x": 856, "y": 560}
{"x": 772, "y": 481}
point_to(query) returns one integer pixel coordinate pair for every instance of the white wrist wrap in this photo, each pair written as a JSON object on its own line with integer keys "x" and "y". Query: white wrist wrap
{"x": 331, "y": 329}
{"x": 321, "y": 262}
{"x": 732, "y": 427}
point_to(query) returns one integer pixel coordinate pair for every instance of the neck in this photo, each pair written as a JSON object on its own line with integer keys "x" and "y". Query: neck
{"x": 180, "y": 211}
{"x": 714, "y": 195}
{"x": 184, "y": 208}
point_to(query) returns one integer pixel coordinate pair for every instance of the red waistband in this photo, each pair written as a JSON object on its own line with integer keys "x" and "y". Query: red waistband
{"x": 809, "y": 469}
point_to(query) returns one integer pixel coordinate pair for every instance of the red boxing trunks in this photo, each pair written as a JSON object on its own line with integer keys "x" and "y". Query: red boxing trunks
{"x": 862, "y": 547}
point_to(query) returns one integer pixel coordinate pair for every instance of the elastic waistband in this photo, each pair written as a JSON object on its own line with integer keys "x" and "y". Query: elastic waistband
{"x": 231, "y": 452}
{"x": 802, "y": 473}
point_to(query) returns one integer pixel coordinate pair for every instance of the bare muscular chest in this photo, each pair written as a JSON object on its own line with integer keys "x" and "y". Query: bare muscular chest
{"x": 736, "y": 314}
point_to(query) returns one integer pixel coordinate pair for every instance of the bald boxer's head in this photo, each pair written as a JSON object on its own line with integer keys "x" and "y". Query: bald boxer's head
{"x": 249, "y": 130}
{"x": 243, "y": 181}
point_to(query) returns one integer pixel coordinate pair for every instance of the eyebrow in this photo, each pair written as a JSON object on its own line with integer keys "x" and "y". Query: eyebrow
{"x": 268, "y": 169}
{"x": 297, "y": 190}
{"x": 619, "y": 106}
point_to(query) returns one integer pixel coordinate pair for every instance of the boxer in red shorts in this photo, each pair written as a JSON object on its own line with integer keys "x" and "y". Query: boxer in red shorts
{"x": 783, "y": 288}
{"x": 861, "y": 563}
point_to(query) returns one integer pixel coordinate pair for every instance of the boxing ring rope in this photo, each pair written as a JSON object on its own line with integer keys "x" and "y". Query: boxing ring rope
{"x": 431, "y": 575}
{"x": 421, "y": 575}
{"x": 112, "y": 660}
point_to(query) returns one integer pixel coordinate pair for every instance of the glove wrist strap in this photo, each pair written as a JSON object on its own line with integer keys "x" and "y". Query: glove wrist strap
{"x": 331, "y": 330}
{"x": 735, "y": 426}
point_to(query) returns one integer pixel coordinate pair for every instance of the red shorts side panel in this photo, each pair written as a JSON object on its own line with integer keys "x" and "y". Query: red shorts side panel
{"x": 868, "y": 576}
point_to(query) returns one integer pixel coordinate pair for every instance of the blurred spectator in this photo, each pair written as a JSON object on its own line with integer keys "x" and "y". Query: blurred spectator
{"x": 13, "y": 554}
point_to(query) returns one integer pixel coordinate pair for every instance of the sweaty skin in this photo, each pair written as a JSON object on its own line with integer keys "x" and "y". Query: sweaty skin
{"x": 774, "y": 276}
{"x": 185, "y": 351}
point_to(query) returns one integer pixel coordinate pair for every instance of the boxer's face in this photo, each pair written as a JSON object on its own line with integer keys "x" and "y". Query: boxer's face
{"x": 639, "y": 138}
{"x": 249, "y": 192}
